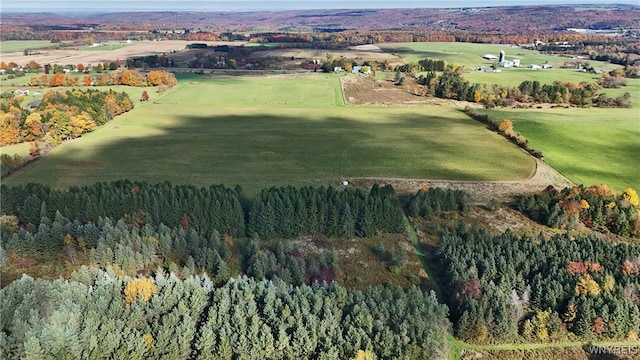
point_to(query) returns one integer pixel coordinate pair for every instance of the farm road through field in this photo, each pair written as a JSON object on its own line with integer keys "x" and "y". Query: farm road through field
{"x": 481, "y": 191}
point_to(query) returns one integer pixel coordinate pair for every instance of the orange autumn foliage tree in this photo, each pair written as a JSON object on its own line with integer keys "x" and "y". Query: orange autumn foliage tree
{"x": 10, "y": 126}
{"x": 154, "y": 78}
{"x": 131, "y": 78}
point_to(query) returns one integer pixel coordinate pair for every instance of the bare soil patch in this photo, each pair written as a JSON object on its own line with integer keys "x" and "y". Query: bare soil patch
{"x": 358, "y": 90}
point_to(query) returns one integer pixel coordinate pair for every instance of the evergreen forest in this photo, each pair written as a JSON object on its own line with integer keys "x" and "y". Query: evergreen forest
{"x": 175, "y": 271}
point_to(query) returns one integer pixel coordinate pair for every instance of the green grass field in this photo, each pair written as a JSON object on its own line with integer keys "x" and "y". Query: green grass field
{"x": 588, "y": 146}
{"x": 260, "y": 132}
{"x": 21, "y": 45}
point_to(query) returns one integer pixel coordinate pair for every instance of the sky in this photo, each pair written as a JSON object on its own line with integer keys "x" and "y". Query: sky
{"x": 265, "y": 5}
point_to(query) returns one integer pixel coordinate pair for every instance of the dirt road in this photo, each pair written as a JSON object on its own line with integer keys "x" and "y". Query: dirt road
{"x": 481, "y": 191}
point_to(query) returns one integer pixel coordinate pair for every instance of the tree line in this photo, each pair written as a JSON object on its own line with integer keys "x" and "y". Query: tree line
{"x": 276, "y": 212}
{"x": 450, "y": 84}
{"x": 289, "y": 212}
{"x": 426, "y": 64}
{"x": 59, "y": 116}
{"x": 505, "y": 128}
{"x": 128, "y": 77}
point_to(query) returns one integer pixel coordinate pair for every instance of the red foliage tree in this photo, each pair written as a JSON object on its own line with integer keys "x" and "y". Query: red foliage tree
{"x": 598, "y": 326}
{"x": 470, "y": 289}
{"x": 576, "y": 267}
{"x": 185, "y": 222}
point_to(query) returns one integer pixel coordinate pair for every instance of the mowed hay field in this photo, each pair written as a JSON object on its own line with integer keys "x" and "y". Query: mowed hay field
{"x": 588, "y": 146}
{"x": 265, "y": 131}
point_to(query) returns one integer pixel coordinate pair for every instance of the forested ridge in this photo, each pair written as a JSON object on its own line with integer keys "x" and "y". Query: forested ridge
{"x": 177, "y": 271}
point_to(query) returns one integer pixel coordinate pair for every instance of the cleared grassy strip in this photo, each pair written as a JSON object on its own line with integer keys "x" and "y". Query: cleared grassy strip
{"x": 416, "y": 245}
{"x": 20, "y": 149}
{"x": 260, "y": 132}
{"x": 104, "y": 47}
{"x": 588, "y": 146}
{"x": 321, "y": 91}
{"x": 21, "y": 45}
{"x": 458, "y": 346}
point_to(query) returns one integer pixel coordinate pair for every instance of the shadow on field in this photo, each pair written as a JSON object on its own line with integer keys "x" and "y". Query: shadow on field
{"x": 262, "y": 150}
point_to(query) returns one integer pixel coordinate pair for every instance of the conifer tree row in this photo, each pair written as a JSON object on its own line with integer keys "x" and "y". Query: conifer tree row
{"x": 287, "y": 212}
{"x": 204, "y": 209}
{"x": 275, "y": 213}
{"x": 434, "y": 200}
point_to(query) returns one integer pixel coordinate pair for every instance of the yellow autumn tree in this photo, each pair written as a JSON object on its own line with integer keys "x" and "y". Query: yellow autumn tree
{"x": 539, "y": 322}
{"x": 364, "y": 355}
{"x": 148, "y": 340}
{"x": 142, "y": 287}
{"x": 477, "y": 96}
{"x": 505, "y": 126}
{"x": 609, "y": 284}
{"x": 631, "y": 196}
{"x": 32, "y": 128}
{"x": 80, "y": 124}
{"x": 154, "y": 78}
{"x": 586, "y": 285}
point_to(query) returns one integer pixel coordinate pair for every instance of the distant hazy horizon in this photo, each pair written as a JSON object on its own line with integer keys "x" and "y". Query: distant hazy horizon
{"x": 266, "y": 5}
